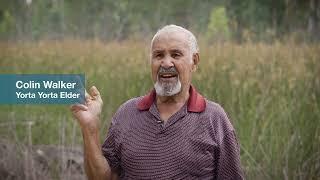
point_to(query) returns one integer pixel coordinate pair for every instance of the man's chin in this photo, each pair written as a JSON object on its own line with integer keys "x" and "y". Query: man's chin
{"x": 166, "y": 89}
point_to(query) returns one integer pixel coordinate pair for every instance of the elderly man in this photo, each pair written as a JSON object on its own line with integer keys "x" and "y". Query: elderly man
{"x": 171, "y": 133}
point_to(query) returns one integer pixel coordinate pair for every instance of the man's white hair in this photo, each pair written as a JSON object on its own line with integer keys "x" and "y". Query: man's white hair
{"x": 192, "y": 41}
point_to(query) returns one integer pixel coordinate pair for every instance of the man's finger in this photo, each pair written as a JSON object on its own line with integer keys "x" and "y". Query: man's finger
{"x": 77, "y": 107}
{"x": 95, "y": 93}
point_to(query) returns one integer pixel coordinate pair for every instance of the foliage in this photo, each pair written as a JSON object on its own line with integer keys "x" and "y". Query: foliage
{"x": 265, "y": 20}
{"x": 218, "y": 27}
{"x": 104, "y": 19}
{"x": 7, "y": 23}
{"x": 123, "y": 19}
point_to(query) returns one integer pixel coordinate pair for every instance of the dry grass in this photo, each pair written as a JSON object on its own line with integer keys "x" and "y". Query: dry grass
{"x": 270, "y": 91}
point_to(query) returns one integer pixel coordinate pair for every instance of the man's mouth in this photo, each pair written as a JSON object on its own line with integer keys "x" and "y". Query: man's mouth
{"x": 168, "y": 75}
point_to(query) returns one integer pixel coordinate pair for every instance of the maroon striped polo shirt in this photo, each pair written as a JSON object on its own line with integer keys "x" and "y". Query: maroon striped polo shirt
{"x": 197, "y": 142}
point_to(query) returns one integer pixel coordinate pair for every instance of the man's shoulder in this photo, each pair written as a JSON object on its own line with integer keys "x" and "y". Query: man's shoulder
{"x": 217, "y": 117}
{"x": 127, "y": 110}
{"x": 214, "y": 108}
{"x": 130, "y": 104}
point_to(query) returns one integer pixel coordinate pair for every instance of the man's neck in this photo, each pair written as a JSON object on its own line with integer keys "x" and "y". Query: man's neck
{"x": 169, "y": 105}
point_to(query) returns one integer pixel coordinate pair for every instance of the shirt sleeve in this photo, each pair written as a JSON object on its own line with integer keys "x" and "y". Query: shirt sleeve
{"x": 229, "y": 166}
{"x": 111, "y": 148}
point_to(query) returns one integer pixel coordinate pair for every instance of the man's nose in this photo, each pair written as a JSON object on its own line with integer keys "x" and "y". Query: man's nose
{"x": 167, "y": 62}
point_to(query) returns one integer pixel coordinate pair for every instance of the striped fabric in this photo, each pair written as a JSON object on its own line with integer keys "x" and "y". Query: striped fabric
{"x": 197, "y": 142}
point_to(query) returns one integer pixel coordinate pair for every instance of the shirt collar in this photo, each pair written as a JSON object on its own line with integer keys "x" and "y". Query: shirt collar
{"x": 196, "y": 102}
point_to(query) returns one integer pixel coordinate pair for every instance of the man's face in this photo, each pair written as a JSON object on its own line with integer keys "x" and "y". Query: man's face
{"x": 171, "y": 63}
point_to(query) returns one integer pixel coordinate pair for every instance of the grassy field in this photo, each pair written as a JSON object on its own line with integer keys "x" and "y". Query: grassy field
{"x": 270, "y": 91}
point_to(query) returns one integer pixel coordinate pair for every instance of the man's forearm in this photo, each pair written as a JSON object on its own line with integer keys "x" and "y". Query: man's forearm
{"x": 96, "y": 166}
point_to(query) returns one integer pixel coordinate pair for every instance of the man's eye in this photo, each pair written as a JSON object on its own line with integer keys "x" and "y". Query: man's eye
{"x": 176, "y": 55}
{"x": 158, "y": 55}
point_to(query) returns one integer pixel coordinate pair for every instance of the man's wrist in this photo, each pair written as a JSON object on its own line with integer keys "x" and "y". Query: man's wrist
{"x": 90, "y": 129}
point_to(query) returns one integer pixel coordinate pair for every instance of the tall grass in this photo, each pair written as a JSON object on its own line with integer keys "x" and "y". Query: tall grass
{"x": 270, "y": 91}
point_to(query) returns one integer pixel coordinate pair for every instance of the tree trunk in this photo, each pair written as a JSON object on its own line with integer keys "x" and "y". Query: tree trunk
{"x": 313, "y": 20}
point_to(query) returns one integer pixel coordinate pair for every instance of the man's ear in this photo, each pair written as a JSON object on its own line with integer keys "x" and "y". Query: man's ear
{"x": 195, "y": 61}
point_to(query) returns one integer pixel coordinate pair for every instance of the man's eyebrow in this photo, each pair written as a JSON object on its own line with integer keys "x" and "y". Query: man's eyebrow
{"x": 176, "y": 51}
{"x": 157, "y": 51}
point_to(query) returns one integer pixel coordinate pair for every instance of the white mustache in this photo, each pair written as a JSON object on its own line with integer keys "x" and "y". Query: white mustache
{"x": 171, "y": 70}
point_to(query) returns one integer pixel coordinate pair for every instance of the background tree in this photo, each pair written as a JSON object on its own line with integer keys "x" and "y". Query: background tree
{"x": 118, "y": 20}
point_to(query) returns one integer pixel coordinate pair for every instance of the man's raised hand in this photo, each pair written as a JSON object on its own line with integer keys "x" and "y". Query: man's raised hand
{"x": 88, "y": 114}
